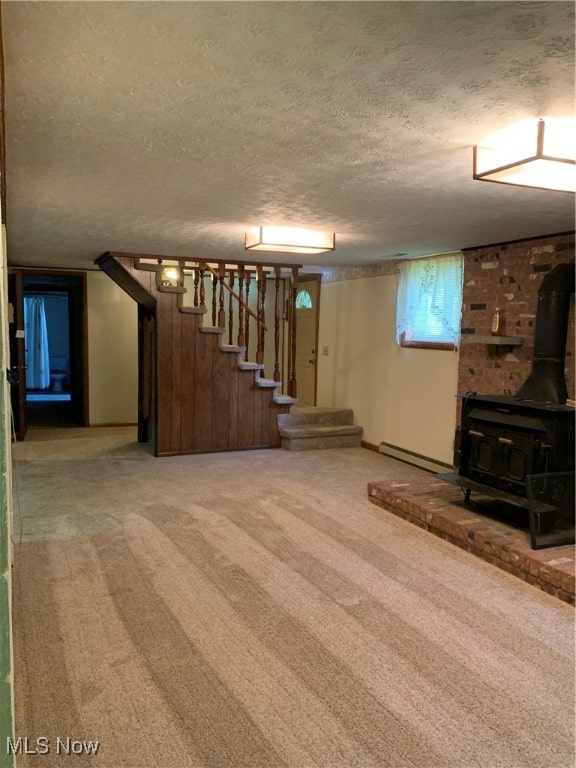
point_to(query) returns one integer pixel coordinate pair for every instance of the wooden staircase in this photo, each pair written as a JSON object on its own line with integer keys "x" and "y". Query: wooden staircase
{"x": 306, "y": 428}
{"x": 244, "y": 365}
{"x": 197, "y": 393}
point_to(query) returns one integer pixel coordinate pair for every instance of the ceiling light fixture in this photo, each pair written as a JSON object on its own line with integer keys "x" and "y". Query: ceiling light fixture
{"x": 169, "y": 278}
{"x": 538, "y": 154}
{"x": 289, "y": 240}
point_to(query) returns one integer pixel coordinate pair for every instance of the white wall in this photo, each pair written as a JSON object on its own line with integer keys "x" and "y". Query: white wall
{"x": 405, "y": 397}
{"x": 112, "y": 352}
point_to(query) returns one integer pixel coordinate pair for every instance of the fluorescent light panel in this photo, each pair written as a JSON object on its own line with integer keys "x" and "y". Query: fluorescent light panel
{"x": 289, "y": 240}
{"x": 540, "y": 154}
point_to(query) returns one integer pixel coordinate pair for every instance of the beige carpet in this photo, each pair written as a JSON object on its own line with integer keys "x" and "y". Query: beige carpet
{"x": 255, "y": 610}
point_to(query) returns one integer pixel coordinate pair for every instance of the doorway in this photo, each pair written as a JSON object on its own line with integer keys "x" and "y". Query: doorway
{"x": 48, "y": 349}
{"x": 307, "y": 313}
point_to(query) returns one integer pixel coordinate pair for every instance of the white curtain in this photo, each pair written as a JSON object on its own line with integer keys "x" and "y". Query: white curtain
{"x": 36, "y": 342}
{"x": 429, "y": 303}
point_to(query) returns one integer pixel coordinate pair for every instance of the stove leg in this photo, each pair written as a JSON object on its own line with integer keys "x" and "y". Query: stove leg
{"x": 467, "y": 493}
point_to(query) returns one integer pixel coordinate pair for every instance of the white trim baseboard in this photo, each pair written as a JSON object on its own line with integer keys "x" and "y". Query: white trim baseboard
{"x": 417, "y": 459}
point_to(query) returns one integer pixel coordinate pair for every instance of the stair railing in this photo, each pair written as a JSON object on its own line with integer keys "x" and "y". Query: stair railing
{"x": 243, "y": 317}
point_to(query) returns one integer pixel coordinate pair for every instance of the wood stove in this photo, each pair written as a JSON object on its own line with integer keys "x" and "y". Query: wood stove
{"x": 502, "y": 441}
{"x": 509, "y": 446}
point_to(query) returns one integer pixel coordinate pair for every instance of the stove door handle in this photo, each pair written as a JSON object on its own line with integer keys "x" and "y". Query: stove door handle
{"x": 474, "y": 433}
{"x": 505, "y": 441}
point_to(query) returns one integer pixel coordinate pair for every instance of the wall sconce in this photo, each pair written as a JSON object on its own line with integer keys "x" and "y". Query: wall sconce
{"x": 170, "y": 279}
{"x": 530, "y": 154}
{"x": 289, "y": 240}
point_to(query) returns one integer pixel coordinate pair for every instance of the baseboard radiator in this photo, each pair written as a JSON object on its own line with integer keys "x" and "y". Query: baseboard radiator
{"x": 424, "y": 462}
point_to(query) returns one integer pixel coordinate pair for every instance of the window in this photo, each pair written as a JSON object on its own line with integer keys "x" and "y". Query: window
{"x": 429, "y": 302}
{"x": 303, "y": 300}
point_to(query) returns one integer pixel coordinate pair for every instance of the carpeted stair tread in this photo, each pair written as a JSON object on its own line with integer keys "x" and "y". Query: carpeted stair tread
{"x": 302, "y": 415}
{"x": 320, "y": 431}
{"x": 317, "y": 442}
{"x": 285, "y": 399}
{"x": 267, "y": 383}
{"x": 243, "y": 366}
{"x": 308, "y": 428}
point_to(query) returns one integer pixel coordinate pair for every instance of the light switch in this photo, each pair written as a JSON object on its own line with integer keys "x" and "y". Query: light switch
{"x": 324, "y": 350}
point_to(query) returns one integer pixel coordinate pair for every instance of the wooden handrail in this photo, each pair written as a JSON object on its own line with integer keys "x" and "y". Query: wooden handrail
{"x": 233, "y": 292}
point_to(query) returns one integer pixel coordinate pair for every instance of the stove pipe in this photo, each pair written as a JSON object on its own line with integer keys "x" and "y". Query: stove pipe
{"x": 546, "y": 382}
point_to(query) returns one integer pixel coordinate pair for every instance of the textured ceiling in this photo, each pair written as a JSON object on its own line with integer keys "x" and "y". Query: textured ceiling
{"x": 171, "y": 127}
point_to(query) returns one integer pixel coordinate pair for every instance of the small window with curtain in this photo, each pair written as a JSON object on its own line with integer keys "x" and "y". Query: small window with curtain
{"x": 429, "y": 302}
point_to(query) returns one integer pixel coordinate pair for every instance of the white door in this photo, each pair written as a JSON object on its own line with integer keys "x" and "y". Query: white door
{"x": 306, "y": 337}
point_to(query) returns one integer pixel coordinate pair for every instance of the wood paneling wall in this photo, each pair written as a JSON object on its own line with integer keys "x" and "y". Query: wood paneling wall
{"x": 204, "y": 402}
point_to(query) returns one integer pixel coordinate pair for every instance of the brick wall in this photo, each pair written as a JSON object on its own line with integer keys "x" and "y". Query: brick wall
{"x": 507, "y": 276}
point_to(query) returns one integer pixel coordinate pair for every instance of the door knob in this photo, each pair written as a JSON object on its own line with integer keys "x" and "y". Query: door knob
{"x": 12, "y": 376}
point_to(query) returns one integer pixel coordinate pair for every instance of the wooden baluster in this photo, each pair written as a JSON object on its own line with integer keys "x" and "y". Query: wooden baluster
{"x": 247, "y": 323}
{"x": 202, "y": 288}
{"x": 277, "y": 376}
{"x": 259, "y": 321}
{"x": 288, "y": 333}
{"x": 241, "y": 335}
{"x": 293, "y": 385}
{"x": 263, "y": 318}
{"x": 221, "y": 310}
{"x": 196, "y": 280}
{"x": 230, "y": 308}
{"x": 214, "y": 286}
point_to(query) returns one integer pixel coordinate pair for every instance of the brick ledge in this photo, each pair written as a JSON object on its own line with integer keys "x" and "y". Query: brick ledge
{"x": 439, "y": 508}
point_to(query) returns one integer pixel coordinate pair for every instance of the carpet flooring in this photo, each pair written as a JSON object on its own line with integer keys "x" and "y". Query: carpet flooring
{"x": 254, "y": 610}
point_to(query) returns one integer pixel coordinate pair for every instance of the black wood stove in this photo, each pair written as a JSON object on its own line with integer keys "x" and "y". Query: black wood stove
{"x": 502, "y": 441}
{"x": 521, "y": 448}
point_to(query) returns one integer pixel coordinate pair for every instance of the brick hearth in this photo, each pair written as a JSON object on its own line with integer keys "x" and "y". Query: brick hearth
{"x": 439, "y": 507}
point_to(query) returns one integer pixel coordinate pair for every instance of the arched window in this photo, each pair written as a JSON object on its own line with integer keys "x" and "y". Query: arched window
{"x": 303, "y": 300}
